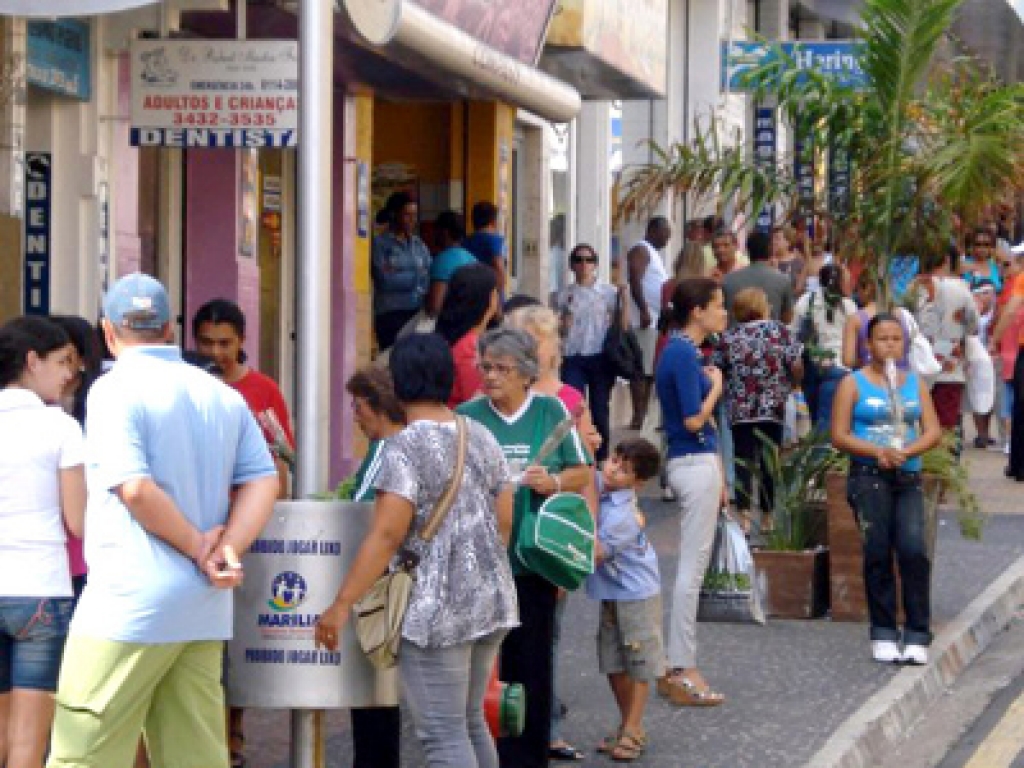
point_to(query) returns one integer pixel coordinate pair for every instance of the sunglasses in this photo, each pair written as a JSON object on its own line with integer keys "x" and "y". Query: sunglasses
{"x": 584, "y": 260}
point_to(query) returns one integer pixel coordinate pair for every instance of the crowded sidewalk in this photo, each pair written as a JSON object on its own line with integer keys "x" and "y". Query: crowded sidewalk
{"x": 790, "y": 684}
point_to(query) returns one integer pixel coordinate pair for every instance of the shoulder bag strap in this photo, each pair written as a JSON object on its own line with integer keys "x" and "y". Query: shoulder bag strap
{"x": 452, "y": 488}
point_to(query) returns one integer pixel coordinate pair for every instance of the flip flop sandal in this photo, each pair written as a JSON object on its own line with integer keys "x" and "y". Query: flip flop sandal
{"x": 630, "y": 747}
{"x": 608, "y": 742}
{"x": 692, "y": 696}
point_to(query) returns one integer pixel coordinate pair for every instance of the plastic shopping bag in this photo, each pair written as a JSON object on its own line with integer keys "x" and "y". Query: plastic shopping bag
{"x": 729, "y": 592}
{"x": 981, "y": 377}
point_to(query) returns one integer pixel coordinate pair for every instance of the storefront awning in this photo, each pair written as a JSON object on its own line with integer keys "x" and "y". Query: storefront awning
{"x": 409, "y": 32}
{"x": 51, "y": 8}
{"x": 54, "y": 8}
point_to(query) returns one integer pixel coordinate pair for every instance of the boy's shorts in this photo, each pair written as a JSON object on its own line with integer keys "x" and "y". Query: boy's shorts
{"x": 629, "y": 639}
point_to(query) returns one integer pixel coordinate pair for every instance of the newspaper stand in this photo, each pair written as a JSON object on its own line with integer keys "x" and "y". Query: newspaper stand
{"x": 292, "y": 573}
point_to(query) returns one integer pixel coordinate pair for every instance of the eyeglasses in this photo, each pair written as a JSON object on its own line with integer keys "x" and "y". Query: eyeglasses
{"x": 584, "y": 259}
{"x": 502, "y": 369}
{"x": 984, "y": 244}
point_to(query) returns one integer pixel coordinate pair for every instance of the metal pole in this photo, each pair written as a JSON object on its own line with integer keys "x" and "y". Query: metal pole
{"x": 316, "y": 91}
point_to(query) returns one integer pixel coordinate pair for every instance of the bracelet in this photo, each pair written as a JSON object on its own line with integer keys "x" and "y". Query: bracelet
{"x": 558, "y": 483}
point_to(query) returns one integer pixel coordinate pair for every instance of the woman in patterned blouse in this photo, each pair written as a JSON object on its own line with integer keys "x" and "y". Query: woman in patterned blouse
{"x": 761, "y": 362}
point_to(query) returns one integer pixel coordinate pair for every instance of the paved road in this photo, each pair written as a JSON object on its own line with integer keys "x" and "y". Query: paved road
{"x": 789, "y": 684}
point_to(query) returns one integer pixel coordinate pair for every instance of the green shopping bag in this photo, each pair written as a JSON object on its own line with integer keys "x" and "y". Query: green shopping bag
{"x": 556, "y": 541}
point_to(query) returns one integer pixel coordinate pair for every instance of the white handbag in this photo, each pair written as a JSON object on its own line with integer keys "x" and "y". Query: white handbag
{"x": 981, "y": 376}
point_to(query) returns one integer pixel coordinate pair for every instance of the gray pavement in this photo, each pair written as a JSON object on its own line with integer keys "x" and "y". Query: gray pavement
{"x": 789, "y": 685}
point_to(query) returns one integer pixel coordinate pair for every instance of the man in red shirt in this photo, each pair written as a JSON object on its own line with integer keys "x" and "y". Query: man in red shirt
{"x": 219, "y": 331}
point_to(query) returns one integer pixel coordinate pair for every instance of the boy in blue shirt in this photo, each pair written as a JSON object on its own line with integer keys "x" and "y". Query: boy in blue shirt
{"x": 628, "y": 584}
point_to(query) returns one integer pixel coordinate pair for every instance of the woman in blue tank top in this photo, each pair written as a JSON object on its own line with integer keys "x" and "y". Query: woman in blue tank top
{"x": 884, "y": 419}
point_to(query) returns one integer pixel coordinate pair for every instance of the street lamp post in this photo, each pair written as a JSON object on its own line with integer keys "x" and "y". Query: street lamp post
{"x": 316, "y": 91}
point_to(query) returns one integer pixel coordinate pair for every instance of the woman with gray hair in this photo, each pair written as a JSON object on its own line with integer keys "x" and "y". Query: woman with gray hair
{"x": 520, "y": 420}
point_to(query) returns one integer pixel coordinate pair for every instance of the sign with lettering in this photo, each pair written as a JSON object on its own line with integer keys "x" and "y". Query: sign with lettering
{"x": 839, "y": 173}
{"x": 838, "y": 59}
{"x": 292, "y": 574}
{"x": 764, "y": 156}
{"x": 57, "y": 56}
{"x": 38, "y": 241}
{"x": 803, "y": 173}
{"x": 215, "y": 93}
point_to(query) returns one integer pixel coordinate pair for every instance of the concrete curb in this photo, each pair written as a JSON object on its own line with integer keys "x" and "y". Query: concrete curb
{"x": 865, "y": 737}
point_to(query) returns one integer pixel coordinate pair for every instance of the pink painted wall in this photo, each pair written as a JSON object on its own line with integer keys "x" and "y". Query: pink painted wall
{"x": 213, "y": 267}
{"x": 343, "y": 295}
{"x": 125, "y": 179}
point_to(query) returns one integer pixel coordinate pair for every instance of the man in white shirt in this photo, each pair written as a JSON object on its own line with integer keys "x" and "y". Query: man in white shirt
{"x": 647, "y": 275}
{"x": 947, "y": 315}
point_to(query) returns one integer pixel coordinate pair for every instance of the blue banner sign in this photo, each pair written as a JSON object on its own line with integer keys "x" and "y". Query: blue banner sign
{"x": 838, "y": 59}
{"x": 38, "y": 241}
{"x": 764, "y": 156}
{"x": 58, "y": 54}
{"x": 803, "y": 173}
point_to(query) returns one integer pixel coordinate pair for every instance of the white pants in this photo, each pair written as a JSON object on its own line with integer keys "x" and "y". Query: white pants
{"x": 696, "y": 481}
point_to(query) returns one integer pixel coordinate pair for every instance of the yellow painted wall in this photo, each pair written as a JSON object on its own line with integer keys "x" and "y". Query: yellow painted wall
{"x": 490, "y": 137}
{"x": 415, "y": 134}
{"x": 364, "y": 152}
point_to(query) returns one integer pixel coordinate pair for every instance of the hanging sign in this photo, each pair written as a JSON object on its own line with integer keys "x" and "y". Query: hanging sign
{"x": 839, "y": 172}
{"x": 215, "y": 93}
{"x": 803, "y": 174}
{"x": 38, "y": 242}
{"x": 57, "y": 57}
{"x": 764, "y": 156}
{"x": 837, "y": 59}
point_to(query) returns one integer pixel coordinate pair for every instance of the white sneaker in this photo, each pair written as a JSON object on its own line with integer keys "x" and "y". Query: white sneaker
{"x": 915, "y": 654}
{"x": 885, "y": 652}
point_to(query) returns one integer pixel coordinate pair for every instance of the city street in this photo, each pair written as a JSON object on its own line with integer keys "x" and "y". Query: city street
{"x": 790, "y": 685}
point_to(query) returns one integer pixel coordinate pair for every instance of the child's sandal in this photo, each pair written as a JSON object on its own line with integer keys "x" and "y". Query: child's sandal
{"x": 630, "y": 747}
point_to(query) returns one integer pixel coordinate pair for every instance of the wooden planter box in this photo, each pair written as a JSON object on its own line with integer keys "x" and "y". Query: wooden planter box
{"x": 846, "y": 554}
{"x": 794, "y": 584}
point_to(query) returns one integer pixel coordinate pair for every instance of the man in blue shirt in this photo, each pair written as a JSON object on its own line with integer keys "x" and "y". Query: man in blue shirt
{"x": 180, "y": 480}
{"x": 486, "y": 242}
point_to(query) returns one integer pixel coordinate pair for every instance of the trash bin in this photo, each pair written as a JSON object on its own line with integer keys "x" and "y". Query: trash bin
{"x": 292, "y": 573}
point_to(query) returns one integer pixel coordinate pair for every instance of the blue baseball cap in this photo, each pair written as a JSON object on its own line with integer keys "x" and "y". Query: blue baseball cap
{"x": 137, "y": 302}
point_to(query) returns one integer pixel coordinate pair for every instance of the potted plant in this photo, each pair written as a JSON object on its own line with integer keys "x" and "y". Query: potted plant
{"x": 791, "y": 561}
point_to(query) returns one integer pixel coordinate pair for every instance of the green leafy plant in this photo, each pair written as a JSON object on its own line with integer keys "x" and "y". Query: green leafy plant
{"x": 941, "y": 462}
{"x": 927, "y": 138}
{"x": 798, "y": 477}
{"x": 343, "y": 492}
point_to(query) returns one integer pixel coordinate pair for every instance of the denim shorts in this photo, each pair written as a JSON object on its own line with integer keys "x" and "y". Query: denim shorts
{"x": 32, "y": 634}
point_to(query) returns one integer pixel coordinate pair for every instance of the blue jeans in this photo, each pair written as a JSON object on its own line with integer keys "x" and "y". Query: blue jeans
{"x": 828, "y": 383}
{"x": 32, "y": 634}
{"x": 444, "y": 688}
{"x": 890, "y": 511}
{"x": 592, "y": 376}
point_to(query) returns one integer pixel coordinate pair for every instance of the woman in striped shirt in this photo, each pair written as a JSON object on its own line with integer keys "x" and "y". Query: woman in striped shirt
{"x": 377, "y": 412}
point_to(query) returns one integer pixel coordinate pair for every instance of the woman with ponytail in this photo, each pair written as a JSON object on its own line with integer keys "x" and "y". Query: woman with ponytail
{"x": 818, "y": 320}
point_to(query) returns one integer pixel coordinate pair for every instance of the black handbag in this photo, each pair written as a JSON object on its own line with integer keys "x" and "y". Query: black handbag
{"x": 622, "y": 348}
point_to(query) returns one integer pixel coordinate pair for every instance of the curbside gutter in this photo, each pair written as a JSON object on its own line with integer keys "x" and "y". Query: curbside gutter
{"x": 884, "y": 719}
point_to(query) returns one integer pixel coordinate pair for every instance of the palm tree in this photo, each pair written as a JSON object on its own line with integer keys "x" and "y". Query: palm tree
{"x": 925, "y": 139}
